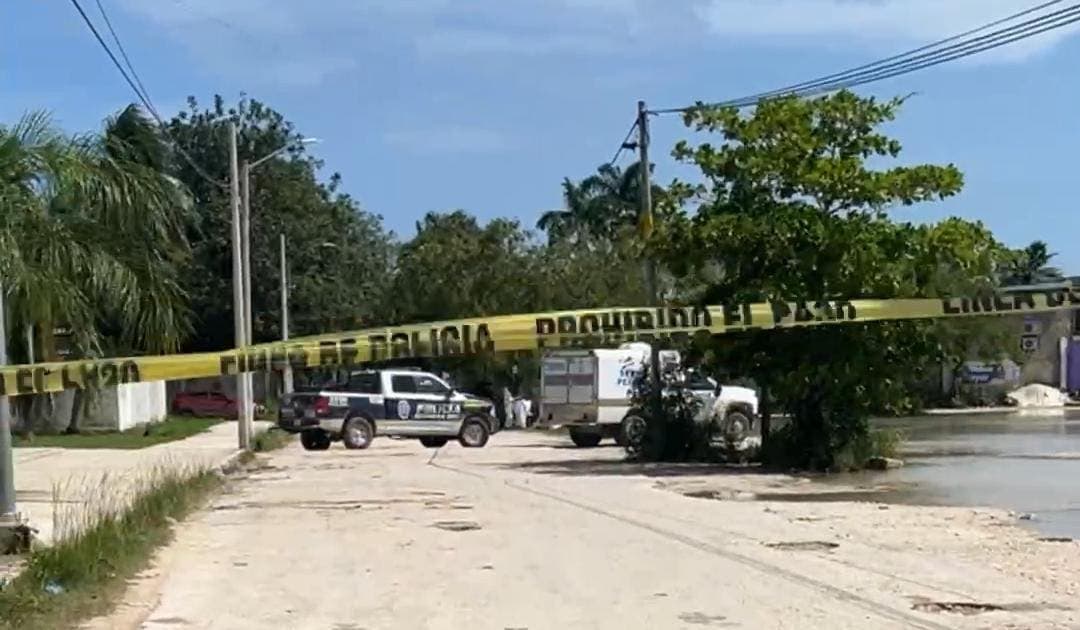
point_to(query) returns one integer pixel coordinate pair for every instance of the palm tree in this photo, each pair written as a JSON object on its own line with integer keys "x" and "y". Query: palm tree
{"x": 1031, "y": 265}
{"x": 571, "y": 223}
{"x": 601, "y": 206}
{"x": 614, "y": 198}
{"x": 90, "y": 231}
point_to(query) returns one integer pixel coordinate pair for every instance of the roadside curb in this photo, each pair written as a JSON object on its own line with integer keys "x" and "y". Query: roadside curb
{"x": 996, "y": 411}
{"x": 233, "y": 462}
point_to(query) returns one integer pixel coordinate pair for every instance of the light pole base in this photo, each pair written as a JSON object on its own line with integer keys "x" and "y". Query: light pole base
{"x": 16, "y": 535}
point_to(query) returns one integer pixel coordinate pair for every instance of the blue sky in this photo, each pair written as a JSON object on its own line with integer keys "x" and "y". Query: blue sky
{"x": 487, "y": 104}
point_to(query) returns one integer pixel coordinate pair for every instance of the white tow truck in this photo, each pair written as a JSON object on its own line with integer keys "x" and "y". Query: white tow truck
{"x": 590, "y": 392}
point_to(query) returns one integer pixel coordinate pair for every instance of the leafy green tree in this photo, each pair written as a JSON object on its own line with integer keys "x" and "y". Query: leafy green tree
{"x": 454, "y": 267}
{"x": 793, "y": 210}
{"x": 338, "y": 254}
{"x": 457, "y": 267}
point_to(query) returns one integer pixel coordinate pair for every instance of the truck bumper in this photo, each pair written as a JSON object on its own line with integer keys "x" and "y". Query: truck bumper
{"x": 297, "y": 425}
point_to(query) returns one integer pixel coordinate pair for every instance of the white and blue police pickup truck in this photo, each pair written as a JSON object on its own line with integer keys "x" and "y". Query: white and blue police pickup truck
{"x": 396, "y": 403}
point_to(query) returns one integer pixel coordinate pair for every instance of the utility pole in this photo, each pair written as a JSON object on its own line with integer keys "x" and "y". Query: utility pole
{"x": 245, "y": 227}
{"x": 645, "y": 222}
{"x": 286, "y": 373}
{"x": 8, "y": 517}
{"x": 646, "y": 218}
{"x": 242, "y": 427}
{"x": 249, "y": 334}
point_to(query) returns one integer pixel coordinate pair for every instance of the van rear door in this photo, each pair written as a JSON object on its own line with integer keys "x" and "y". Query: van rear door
{"x": 568, "y": 379}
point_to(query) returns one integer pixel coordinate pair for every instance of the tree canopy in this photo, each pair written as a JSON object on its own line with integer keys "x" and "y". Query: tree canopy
{"x": 338, "y": 254}
{"x": 791, "y": 209}
{"x": 122, "y": 237}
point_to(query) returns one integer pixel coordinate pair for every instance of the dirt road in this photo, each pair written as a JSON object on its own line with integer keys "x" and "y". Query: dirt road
{"x": 528, "y": 533}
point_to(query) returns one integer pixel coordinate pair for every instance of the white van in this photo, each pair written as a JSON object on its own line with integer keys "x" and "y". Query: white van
{"x": 590, "y": 392}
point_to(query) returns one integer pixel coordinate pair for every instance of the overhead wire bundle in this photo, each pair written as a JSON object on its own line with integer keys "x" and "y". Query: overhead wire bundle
{"x": 942, "y": 51}
{"x": 959, "y": 46}
{"x": 135, "y": 82}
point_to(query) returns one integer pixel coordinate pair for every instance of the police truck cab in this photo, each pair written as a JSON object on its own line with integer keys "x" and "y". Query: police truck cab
{"x": 399, "y": 402}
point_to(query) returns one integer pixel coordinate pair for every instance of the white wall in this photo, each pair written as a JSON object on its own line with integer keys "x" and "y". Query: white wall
{"x": 114, "y": 408}
{"x": 140, "y": 403}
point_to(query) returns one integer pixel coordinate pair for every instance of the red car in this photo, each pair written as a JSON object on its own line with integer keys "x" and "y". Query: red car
{"x": 215, "y": 404}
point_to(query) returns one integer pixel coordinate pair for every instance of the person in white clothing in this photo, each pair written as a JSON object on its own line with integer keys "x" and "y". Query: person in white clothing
{"x": 521, "y": 412}
{"x": 508, "y": 406}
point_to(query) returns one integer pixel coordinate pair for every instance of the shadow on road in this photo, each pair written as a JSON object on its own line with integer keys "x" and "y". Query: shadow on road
{"x": 611, "y": 467}
{"x": 559, "y": 447}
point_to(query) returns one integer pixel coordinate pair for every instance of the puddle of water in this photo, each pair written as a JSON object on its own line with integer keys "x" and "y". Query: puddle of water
{"x": 720, "y": 494}
{"x": 804, "y": 545}
{"x": 705, "y": 619}
{"x": 976, "y": 608}
{"x": 457, "y": 526}
{"x": 963, "y": 608}
{"x": 876, "y": 495}
{"x": 1025, "y": 463}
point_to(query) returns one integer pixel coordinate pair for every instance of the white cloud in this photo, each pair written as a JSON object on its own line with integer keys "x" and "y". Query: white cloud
{"x": 491, "y": 42}
{"x": 272, "y": 35}
{"x": 279, "y": 42}
{"x": 875, "y": 23}
{"x": 447, "y": 140}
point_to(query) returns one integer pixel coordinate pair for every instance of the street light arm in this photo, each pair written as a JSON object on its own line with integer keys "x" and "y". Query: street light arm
{"x": 268, "y": 157}
{"x": 274, "y": 154}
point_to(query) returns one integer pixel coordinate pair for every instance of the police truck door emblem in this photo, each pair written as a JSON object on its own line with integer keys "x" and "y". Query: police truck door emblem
{"x": 403, "y": 409}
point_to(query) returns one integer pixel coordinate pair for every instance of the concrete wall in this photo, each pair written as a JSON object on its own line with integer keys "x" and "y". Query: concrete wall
{"x": 113, "y": 408}
{"x": 1043, "y": 365}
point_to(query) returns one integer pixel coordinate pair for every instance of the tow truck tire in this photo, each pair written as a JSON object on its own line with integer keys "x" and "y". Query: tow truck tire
{"x": 474, "y": 433}
{"x": 434, "y": 442}
{"x": 585, "y": 439}
{"x": 736, "y": 425}
{"x": 314, "y": 440}
{"x": 357, "y": 432}
{"x": 632, "y": 430}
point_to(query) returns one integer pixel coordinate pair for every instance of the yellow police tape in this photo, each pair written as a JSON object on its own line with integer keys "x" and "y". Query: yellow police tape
{"x": 504, "y": 333}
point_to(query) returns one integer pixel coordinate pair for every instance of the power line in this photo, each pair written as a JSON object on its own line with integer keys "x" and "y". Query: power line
{"x": 109, "y": 52}
{"x": 966, "y": 52}
{"x": 905, "y": 63}
{"x": 144, "y": 98}
{"x": 625, "y": 144}
{"x": 127, "y": 60}
{"x": 897, "y": 57}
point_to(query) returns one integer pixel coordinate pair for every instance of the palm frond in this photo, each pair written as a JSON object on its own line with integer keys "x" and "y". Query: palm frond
{"x": 89, "y": 233}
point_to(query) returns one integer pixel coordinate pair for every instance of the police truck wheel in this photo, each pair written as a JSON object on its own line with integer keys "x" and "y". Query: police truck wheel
{"x": 315, "y": 440}
{"x": 357, "y": 433}
{"x": 474, "y": 433}
{"x": 585, "y": 439}
{"x": 434, "y": 442}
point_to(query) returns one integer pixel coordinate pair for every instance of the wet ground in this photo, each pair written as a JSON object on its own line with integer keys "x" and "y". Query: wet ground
{"x": 1027, "y": 462}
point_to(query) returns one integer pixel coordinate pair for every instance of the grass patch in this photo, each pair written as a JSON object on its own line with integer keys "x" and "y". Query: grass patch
{"x": 172, "y": 429}
{"x": 271, "y": 440}
{"x": 782, "y": 452}
{"x": 98, "y": 548}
